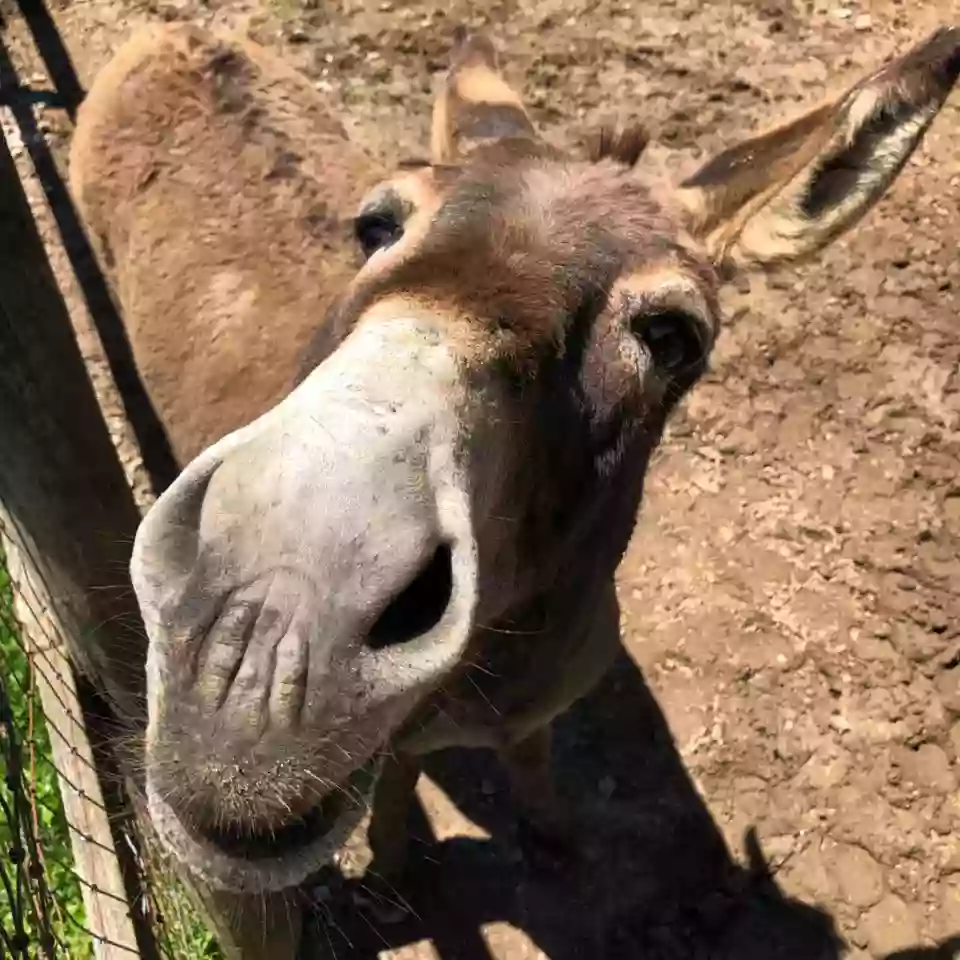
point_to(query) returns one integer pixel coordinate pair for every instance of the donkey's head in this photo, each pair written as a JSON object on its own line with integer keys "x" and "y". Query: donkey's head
{"x": 468, "y": 440}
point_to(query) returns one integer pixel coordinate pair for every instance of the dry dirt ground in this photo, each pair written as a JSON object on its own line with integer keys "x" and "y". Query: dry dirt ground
{"x": 772, "y": 772}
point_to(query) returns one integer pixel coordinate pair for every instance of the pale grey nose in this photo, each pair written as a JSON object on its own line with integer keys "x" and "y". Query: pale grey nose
{"x": 305, "y": 583}
{"x": 292, "y": 585}
{"x": 355, "y": 534}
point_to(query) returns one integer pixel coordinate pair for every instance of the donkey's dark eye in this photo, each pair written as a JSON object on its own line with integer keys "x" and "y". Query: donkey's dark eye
{"x": 673, "y": 338}
{"x": 376, "y": 231}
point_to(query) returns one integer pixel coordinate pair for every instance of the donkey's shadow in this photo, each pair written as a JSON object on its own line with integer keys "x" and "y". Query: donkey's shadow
{"x": 656, "y": 880}
{"x": 948, "y": 949}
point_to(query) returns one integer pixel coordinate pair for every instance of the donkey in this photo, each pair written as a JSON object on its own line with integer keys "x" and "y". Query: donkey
{"x": 410, "y": 543}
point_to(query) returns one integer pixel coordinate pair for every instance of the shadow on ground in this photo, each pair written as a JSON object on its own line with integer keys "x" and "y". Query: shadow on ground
{"x": 947, "y": 950}
{"x": 68, "y": 94}
{"x": 656, "y": 882}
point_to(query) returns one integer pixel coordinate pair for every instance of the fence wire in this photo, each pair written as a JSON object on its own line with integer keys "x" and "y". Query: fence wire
{"x": 42, "y": 883}
{"x": 33, "y": 830}
{"x": 42, "y": 912}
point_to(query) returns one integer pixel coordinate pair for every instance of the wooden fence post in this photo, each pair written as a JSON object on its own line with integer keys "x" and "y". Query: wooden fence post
{"x": 68, "y": 517}
{"x": 106, "y": 900}
{"x": 69, "y": 512}
{"x": 60, "y": 478}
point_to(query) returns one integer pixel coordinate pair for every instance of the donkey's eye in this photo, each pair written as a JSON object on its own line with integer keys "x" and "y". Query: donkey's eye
{"x": 376, "y": 231}
{"x": 673, "y": 338}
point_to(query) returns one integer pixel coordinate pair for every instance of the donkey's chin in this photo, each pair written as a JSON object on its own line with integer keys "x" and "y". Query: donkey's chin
{"x": 270, "y": 860}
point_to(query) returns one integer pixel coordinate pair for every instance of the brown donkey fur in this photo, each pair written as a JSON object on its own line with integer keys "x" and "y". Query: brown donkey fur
{"x": 187, "y": 159}
{"x": 413, "y": 548}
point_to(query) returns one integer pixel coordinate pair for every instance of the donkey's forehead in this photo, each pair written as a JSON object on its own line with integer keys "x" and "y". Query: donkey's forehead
{"x": 530, "y": 246}
{"x": 603, "y": 202}
{"x": 593, "y": 220}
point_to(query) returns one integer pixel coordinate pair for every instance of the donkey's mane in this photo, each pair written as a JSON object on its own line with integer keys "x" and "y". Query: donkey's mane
{"x": 624, "y": 145}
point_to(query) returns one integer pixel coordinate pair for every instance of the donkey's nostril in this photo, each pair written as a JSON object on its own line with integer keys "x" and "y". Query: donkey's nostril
{"x": 419, "y": 607}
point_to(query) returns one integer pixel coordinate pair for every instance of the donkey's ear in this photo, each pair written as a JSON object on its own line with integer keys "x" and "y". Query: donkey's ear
{"x": 788, "y": 193}
{"x": 475, "y": 103}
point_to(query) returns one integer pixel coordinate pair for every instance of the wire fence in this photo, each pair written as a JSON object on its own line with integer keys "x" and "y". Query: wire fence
{"x": 28, "y": 925}
{"x": 81, "y": 875}
{"x": 46, "y": 813}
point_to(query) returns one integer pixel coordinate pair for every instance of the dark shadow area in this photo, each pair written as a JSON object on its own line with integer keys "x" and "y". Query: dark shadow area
{"x": 949, "y": 949}
{"x": 149, "y": 432}
{"x": 54, "y": 54}
{"x": 656, "y": 880}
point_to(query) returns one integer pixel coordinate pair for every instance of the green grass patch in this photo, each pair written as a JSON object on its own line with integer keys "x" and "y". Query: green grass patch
{"x": 40, "y": 814}
{"x": 35, "y": 808}
{"x": 179, "y": 928}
